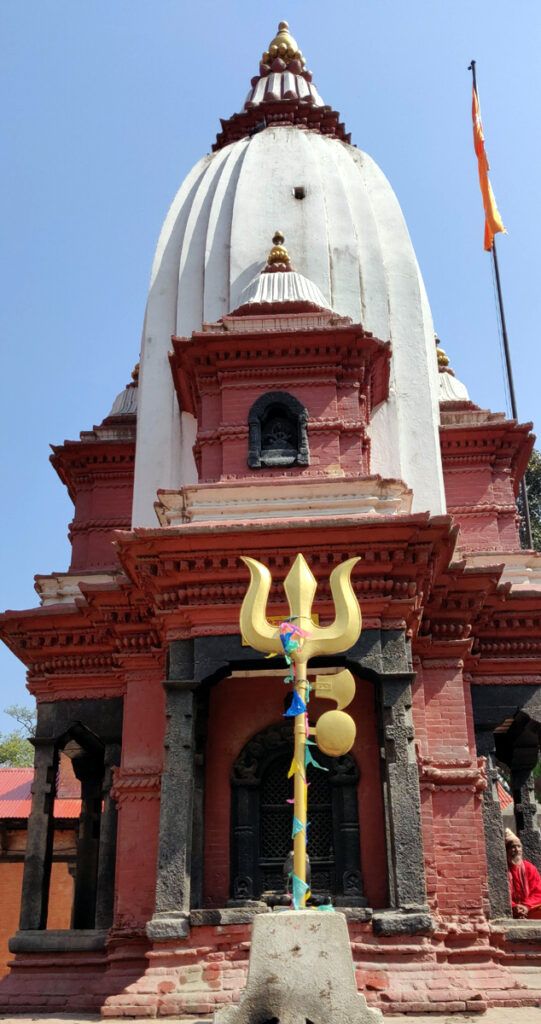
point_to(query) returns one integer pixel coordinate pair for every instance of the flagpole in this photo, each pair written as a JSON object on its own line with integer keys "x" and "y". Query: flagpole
{"x": 508, "y": 364}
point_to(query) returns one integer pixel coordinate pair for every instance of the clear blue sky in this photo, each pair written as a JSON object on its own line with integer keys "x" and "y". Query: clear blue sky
{"x": 107, "y": 105}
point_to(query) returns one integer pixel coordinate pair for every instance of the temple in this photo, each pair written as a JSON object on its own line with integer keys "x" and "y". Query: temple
{"x": 291, "y": 397}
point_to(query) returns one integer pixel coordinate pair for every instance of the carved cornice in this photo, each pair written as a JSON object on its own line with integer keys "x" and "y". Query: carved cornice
{"x": 508, "y": 634}
{"x": 456, "y": 602}
{"x": 77, "y": 687}
{"x": 343, "y": 351}
{"x": 287, "y": 112}
{"x": 475, "y": 436}
{"x": 189, "y": 580}
{"x": 79, "y": 464}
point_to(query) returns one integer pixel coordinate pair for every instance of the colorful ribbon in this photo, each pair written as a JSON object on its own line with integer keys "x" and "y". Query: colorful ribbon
{"x": 297, "y": 707}
{"x": 308, "y": 759}
{"x": 300, "y": 889}
{"x": 295, "y": 768}
{"x": 291, "y": 637}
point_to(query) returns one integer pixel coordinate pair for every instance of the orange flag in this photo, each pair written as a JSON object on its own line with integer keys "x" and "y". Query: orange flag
{"x": 493, "y": 220}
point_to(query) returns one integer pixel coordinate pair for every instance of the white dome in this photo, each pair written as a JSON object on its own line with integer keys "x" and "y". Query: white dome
{"x": 281, "y": 288}
{"x": 347, "y": 236}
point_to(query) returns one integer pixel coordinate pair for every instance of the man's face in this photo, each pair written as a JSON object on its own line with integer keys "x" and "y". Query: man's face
{"x": 514, "y": 852}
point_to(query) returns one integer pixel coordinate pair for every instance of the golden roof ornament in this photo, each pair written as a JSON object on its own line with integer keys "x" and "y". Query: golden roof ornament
{"x": 283, "y": 47}
{"x": 443, "y": 358}
{"x": 278, "y": 253}
{"x": 278, "y": 258}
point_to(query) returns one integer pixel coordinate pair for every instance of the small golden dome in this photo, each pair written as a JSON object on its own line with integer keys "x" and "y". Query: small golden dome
{"x": 283, "y": 46}
{"x": 278, "y": 253}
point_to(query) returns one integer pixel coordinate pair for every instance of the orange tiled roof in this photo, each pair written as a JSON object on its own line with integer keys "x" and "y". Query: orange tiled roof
{"x": 16, "y": 796}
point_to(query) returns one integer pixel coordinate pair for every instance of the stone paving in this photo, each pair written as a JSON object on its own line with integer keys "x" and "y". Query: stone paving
{"x": 508, "y": 1015}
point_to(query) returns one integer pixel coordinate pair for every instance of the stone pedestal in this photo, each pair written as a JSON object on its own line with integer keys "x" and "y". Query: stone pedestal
{"x": 300, "y": 970}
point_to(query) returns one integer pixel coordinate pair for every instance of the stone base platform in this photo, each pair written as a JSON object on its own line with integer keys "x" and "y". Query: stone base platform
{"x": 300, "y": 970}
{"x": 440, "y": 971}
{"x": 524, "y": 1015}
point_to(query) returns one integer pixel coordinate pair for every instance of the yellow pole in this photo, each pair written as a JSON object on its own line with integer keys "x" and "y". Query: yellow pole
{"x": 300, "y": 789}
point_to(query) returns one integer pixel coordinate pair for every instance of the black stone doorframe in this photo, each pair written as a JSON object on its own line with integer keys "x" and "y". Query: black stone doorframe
{"x": 381, "y": 656}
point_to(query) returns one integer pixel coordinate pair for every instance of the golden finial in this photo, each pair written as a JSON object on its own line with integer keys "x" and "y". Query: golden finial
{"x": 443, "y": 358}
{"x": 278, "y": 253}
{"x": 283, "y": 46}
{"x": 135, "y": 373}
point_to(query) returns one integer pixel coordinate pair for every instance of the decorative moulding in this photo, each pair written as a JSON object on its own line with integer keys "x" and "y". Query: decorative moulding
{"x": 64, "y": 588}
{"x": 522, "y": 569}
{"x": 280, "y": 499}
{"x": 278, "y": 320}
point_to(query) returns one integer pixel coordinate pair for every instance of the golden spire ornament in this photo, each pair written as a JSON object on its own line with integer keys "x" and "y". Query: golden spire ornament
{"x": 300, "y": 639}
{"x": 283, "y": 47}
{"x": 278, "y": 253}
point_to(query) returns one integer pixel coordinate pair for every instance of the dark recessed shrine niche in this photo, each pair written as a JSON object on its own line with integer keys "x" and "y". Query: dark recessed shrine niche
{"x": 277, "y": 432}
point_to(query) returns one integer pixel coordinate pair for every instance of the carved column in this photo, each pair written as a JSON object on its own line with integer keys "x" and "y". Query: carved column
{"x": 201, "y": 704}
{"x": 171, "y": 916}
{"x": 402, "y": 798}
{"x": 498, "y": 885}
{"x": 107, "y": 850}
{"x": 245, "y": 880}
{"x": 90, "y": 776}
{"x": 347, "y": 853}
{"x": 39, "y": 839}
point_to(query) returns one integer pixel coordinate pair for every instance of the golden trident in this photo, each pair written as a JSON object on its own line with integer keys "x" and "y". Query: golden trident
{"x": 335, "y": 730}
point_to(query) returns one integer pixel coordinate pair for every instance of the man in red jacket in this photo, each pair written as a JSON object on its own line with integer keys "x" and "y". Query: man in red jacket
{"x": 524, "y": 880}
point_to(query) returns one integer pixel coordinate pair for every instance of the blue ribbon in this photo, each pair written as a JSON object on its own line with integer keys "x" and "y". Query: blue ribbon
{"x": 297, "y": 707}
{"x": 299, "y": 890}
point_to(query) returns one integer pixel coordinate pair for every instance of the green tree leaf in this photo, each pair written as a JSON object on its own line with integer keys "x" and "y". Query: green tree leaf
{"x": 15, "y": 751}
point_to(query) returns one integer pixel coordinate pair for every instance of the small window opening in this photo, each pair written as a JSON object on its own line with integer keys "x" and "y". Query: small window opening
{"x": 299, "y": 192}
{"x": 277, "y": 433}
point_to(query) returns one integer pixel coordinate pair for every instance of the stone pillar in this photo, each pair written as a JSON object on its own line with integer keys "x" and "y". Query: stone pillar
{"x": 498, "y": 885}
{"x": 347, "y": 852}
{"x": 525, "y": 813}
{"x": 90, "y": 776}
{"x": 245, "y": 844}
{"x": 39, "y": 839}
{"x": 201, "y": 698}
{"x": 107, "y": 849}
{"x": 402, "y": 797}
{"x": 171, "y": 916}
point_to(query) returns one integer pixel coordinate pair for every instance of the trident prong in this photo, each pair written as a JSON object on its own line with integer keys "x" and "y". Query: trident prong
{"x": 300, "y": 587}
